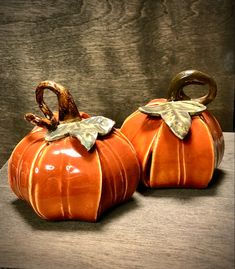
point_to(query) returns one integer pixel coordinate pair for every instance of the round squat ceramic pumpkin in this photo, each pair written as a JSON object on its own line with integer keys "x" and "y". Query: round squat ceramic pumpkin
{"x": 71, "y": 165}
{"x": 178, "y": 141}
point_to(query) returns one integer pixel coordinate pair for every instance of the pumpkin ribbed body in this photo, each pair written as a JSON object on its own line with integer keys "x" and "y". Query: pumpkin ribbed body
{"x": 62, "y": 180}
{"x": 168, "y": 161}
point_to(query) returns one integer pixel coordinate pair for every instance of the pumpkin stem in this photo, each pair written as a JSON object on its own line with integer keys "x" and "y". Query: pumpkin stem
{"x": 189, "y": 77}
{"x": 49, "y": 124}
{"x": 66, "y": 106}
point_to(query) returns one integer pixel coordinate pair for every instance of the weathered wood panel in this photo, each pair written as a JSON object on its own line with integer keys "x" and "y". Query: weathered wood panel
{"x": 113, "y": 55}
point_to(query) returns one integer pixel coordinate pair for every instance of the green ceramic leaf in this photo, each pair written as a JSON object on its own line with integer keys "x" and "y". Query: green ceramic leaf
{"x": 86, "y": 131}
{"x": 176, "y": 114}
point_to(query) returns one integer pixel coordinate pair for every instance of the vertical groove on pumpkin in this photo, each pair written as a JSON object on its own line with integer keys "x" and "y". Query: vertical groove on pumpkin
{"x": 36, "y": 187}
{"x": 199, "y": 150}
{"x": 41, "y": 164}
{"x": 181, "y": 163}
{"x": 212, "y": 143}
{"x": 33, "y": 194}
{"x": 120, "y": 168}
{"x": 221, "y": 149}
{"x": 142, "y": 123}
{"x": 108, "y": 181}
{"x": 147, "y": 167}
{"x": 215, "y": 143}
{"x": 114, "y": 191}
{"x": 20, "y": 162}
{"x": 147, "y": 160}
{"x": 64, "y": 178}
{"x": 153, "y": 178}
{"x": 18, "y": 176}
{"x": 67, "y": 182}
{"x": 19, "y": 170}
{"x": 121, "y": 135}
{"x": 216, "y": 133}
{"x": 123, "y": 173}
{"x": 178, "y": 162}
{"x": 184, "y": 176}
{"x": 99, "y": 205}
{"x": 165, "y": 166}
{"x": 15, "y": 184}
{"x": 35, "y": 205}
{"x": 11, "y": 178}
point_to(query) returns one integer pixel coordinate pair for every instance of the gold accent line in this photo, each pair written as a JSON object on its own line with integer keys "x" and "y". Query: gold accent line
{"x": 178, "y": 161}
{"x": 101, "y": 181}
{"x": 35, "y": 207}
{"x": 36, "y": 199}
{"x": 184, "y": 166}
{"x": 60, "y": 179}
{"x": 68, "y": 162}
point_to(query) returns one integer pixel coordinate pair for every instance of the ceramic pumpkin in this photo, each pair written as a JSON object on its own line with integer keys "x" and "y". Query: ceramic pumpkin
{"x": 63, "y": 170}
{"x": 178, "y": 141}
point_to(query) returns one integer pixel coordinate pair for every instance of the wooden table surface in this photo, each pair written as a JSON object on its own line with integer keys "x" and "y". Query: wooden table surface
{"x": 168, "y": 228}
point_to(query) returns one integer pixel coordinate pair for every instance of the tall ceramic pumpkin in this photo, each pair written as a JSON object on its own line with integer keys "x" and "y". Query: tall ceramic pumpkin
{"x": 64, "y": 170}
{"x": 178, "y": 141}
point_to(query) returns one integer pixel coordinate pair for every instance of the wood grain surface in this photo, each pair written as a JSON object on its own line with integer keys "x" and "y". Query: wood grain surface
{"x": 165, "y": 228}
{"x": 114, "y": 55}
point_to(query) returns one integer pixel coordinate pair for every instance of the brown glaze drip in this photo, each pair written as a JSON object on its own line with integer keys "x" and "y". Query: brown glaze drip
{"x": 188, "y": 77}
{"x": 66, "y": 106}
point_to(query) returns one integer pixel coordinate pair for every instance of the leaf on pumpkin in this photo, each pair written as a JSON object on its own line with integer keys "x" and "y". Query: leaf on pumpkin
{"x": 176, "y": 114}
{"x": 86, "y": 130}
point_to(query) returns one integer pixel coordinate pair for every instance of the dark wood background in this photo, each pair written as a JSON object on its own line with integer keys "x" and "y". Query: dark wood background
{"x": 113, "y": 55}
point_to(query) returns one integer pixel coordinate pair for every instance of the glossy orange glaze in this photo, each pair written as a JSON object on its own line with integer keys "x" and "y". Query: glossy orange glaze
{"x": 62, "y": 180}
{"x": 167, "y": 161}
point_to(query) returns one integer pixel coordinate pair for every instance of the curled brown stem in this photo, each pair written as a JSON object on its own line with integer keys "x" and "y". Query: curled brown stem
{"x": 67, "y": 109}
{"x": 189, "y": 77}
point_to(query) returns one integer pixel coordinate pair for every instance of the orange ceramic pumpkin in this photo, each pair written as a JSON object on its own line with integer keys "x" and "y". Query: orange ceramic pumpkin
{"x": 62, "y": 179}
{"x": 178, "y": 142}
